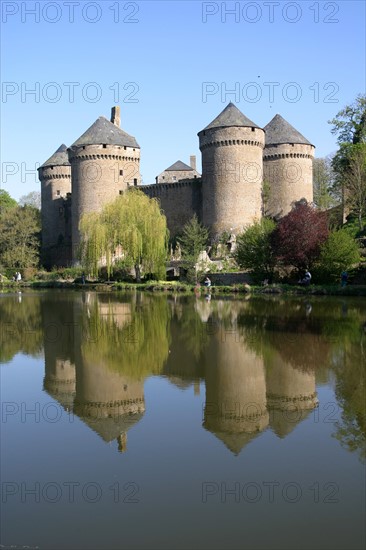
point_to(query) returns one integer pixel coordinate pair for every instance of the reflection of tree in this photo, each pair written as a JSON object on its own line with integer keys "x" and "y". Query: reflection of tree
{"x": 305, "y": 333}
{"x": 21, "y": 326}
{"x": 127, "y": 335}
{"x": 351, "y": 393}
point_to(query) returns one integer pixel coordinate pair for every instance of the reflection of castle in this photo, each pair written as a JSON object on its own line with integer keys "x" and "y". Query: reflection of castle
{"x": 246, "y": 391}
{"x": 107, "y": 401}
{"x": 237, "y": 158}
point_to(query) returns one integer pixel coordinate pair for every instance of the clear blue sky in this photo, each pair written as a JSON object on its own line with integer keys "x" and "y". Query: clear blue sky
{"x": 304, "y": 60}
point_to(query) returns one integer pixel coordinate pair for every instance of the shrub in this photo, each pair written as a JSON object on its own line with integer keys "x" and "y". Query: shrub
{"x": 338, "y": 253}
{"x": 254, "y": 251}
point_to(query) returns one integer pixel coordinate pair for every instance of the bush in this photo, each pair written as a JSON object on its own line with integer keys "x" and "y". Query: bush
{"x": 337, "y": 254}
{"x": 254, "y": 251}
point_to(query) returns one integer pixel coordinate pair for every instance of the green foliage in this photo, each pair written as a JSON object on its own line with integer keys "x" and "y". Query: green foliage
{"x": 338, "y": 253}
{"x": 131, "y": 228}
{"x": 254, "y": 251}
{"x": 350, "y": 122}
{"x": 6, "y": 201}
{"x": 193, "y": 239}
{"x": 355, "y": 181}
{"x": 20, "y": 237}
{"x": 323, "y": 179}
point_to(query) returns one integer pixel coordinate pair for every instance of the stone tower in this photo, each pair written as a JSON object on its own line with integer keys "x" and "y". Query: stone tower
{"x": 55, "y": 177}
{"x": 105, "y": 161}
{"x": 232, "y": 165}
{"x": 288, "y": 167}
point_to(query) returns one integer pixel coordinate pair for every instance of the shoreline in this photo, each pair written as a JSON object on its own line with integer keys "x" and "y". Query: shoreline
{"x": 176, "y": 287}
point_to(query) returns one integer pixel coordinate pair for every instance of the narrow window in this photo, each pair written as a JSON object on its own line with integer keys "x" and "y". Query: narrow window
{"x": 58, "y": 193}
{"x": 104, "y": 146}
{"x": 121, "y": 172}
{"x": 253, "y": 129}
{"x": 135, "y": 181}
{"x": 120, "y": 192}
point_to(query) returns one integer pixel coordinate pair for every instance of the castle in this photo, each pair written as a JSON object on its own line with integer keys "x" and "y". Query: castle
{"x": 247, "y": 171}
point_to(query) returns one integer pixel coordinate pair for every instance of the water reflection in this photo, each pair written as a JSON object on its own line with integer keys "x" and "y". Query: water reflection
{"x": 259, "y": 359}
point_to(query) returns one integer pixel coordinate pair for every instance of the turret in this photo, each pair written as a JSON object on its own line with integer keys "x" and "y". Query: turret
{"x": 288, "y": 167}
{"x": 105, "y": 161}
{"x": 232, "y": 162}
{"x": 55, "y": 178}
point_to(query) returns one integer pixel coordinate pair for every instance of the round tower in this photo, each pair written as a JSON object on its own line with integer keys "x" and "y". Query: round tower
{"x": 105, "y": 161}
{"x": 232, "y": 164}
{"x": 55, "y": 178}
{"x": 288, "y": 167}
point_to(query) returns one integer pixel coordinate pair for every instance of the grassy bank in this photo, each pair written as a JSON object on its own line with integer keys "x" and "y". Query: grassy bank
{"x": 178, "y": 287}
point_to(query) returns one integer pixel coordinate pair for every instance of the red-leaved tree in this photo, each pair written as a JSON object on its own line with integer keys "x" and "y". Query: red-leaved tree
{"x": 298, "y": 236}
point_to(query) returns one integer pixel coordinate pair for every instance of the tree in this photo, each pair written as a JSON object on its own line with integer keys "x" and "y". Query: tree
{"x": 131, "y": 227}
{"x": 323, "y": 179}
{"x": 31, "y": 199}
{"x": 350, "y": 126}
{"x": 192, "y": 242}
{"x": 193, "y": 239}
{"x": 350, "y": 122}
{"x": 6, "y": 201}
{"x": 338, "y": 253}
{"x": 254, "y": 250}
{"x": 355, "y": 181}
{"x": 20, "y": 237}
{"x": 299, "y": 235}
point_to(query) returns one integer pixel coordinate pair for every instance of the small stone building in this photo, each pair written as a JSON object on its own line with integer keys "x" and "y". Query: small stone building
{"x": 179, "y": 171}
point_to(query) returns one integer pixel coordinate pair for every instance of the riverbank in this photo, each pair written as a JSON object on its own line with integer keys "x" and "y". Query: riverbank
{"x": 178, "y": 287}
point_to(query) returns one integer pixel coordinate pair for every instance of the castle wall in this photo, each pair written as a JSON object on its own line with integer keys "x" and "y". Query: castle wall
{"x": 99, "y": 174}
{"x": 56, "y": 215}
{"x": 232, "y": 165}
{"x": 288, "y": 168}
{"x": 179, "y": 201}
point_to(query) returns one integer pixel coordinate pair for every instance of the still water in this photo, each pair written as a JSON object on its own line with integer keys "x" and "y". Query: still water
{"x": 143, "y": 421}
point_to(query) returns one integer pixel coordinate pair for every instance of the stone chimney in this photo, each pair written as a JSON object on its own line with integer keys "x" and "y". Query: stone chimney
{"x": 192, "y": 161}
{"x": 116, "y": 115}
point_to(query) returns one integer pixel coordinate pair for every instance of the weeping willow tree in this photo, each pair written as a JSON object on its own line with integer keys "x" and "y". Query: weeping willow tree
{"x": 132, "y": 227}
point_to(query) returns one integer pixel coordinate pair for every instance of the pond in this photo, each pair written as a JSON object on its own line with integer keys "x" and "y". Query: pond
{"x": 133, "y": 420}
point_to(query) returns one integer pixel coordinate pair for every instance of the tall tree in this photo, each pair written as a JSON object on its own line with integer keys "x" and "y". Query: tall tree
{"x": 20, "y": 237}
{"x": 323, "y": 179}
{"x": 350, "y": 122}
{"x": 192, "y": 241}
{"x": 6, "y": 201}
{"x": 132, "y": 227}
{"x": 350, "y": 126}
{"x": 355, "y": 181}
{"x": 299, "y": 235}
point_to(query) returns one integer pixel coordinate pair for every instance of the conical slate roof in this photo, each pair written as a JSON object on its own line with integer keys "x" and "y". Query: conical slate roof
{"x": 178, "y": 166}
{"x": 278, "y": 131}
{"x": 231, "y": 116}
{"x": 104, "y": 132}
{"x": 59, "y": 158}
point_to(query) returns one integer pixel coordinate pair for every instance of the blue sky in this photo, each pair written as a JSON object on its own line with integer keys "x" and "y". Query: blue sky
{"x": 170, "y": 66}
